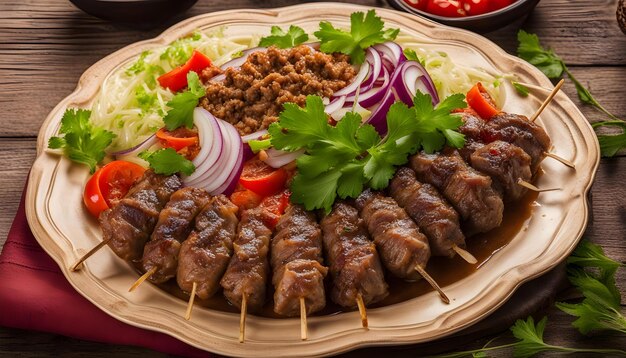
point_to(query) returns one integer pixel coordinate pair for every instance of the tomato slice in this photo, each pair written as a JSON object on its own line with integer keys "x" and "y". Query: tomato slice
{"x": 447, "y": 8}
{"x": 477, "y": 7}
{"x": 176, "y": 79}
{"x": 479, "y": 99}
{"x": 275, "y": 207}
{"x": 245, "y": 199}
{"x": 177, "y": 139}
{"x": 109, "y": 185}
{"x": 261, "y": 178}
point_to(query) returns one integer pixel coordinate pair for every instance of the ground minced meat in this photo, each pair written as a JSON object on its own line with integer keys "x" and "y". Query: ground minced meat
{"x": 252, "y": 96}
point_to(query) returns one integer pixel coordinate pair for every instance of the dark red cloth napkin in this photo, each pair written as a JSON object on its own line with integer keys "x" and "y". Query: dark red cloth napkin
{"x": 35, "y": 295}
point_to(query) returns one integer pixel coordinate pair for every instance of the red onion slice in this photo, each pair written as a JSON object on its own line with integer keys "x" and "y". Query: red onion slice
{"x": 358, "y": 79}
{"x": 254, "y": 136}
{"x": 149, "y": 142}
{"x": 278, "y": 158}
{"x": 379, "y": 114}
{"x": 392, "y": 52}
{"x": 235, "y": 172}
{"x": 335, "y": 104}
{"x": 211, "y": 143}
{"x": 227, "y": 166}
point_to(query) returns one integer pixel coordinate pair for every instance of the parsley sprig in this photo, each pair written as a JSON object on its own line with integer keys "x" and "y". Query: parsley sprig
{"x": 341, "y": 160}
{"x": 365, "y": 31}
{"x": 167, "y": 161}
{"x": 183, "y": 104}
{"x": 553, "y": 66}
{"x": 81, "y": 141}
{"x": 281, "y": 39}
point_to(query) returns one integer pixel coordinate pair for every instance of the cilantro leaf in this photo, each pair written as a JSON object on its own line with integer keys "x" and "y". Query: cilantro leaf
{"x": 365, "y": 31}
{"x": 315, "y": 192}
{"x": 436, "y": 125}
{"x": 544, "y": 59}
{"x": 412, "y": 56}
{"x": 281, "y": 39}
{"x": 300, "y": 126}
{"x": 167, "y": 162}
{"x": 183, "y": 104}
{"x": 81, "y": 142}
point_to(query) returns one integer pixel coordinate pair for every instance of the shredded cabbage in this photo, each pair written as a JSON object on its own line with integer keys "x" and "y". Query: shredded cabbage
{"x": 131, "y": 104}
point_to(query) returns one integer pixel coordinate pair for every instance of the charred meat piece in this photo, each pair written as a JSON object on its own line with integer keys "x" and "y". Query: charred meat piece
{"x": 205, "y": 254}
{"x": 470, "y": 192}
{"x": 402, "y": 246}
{"x": 518, "y": 130}
{"x": 297, "y": 263}
{"x": 430, "y": 211}
{"x": 175, "y": 223}
{"x": 505, "y": 163}
{"x": 249, "y": 267}
{"x": 128, "y": 225}
{"x": 353, "y": 259}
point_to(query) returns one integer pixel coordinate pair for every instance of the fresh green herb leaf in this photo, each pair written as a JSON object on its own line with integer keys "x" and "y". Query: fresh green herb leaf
{"x": 146, "y": 101}
{"x": 365, "y": 31}
{"x": 281, "y": 39}
{"x": 139, "y": 65}
{"x": 183, "y": 104}
{"x": 179, "y": 51}
{"x": 610, "y": 144}
{"x": 521, "y": 89}
{"x": 544, "y": 59}
{"x": 81, "y": 142}
{"x": 167, "y": 162}
{"x": 258, "y": 145}
{"x": 341, "y": 160}
{"x": 412, "y": 56}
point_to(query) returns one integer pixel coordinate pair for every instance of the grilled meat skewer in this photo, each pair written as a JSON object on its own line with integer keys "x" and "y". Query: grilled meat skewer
{"x": 430, "y": 211}
{"x": 470, "y": 192}
{"x": 205, "y": 254}
{"x": 127, "y": 226}
{"x": 176, "y": 220}
{"x": 352, "y": 257}
{"x": 297, "y": 262}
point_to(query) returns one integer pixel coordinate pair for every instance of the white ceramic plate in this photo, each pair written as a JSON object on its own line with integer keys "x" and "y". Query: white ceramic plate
{"x": 66, "y": 231}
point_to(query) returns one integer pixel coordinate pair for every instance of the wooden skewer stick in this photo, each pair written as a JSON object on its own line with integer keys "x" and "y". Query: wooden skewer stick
{"x": 562, "y": 160}
{"x": 465, "y": 255}
{"x": 141, "y": 279}
{"x": 528, "y": 185}
{"x": 192, "y": 296}
{"x": 433, "y": 283}
{"x": 87, "y": 255}
{"x": 547, "y": 100}
{"x": 362, "y": 310}
{"x": 242, "y": 319}
{"x": 303, "y": 323}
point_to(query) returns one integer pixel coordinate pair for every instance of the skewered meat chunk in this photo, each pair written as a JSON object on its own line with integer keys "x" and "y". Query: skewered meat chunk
{"x": 175, "y": 223}
{"x": 205, "y": 254}
{"x": 353, "y": 259}
{"x": 506, "y": 164}
{"x": 297, "y": 263}
{"x": 128, "y": 225}
{"x": 430, "y": 211}
{"x": 470, "y": 192}
{"x": 518, "y": 130}
{"x": 402, "y": 246}
{"x": 248, "y": 269}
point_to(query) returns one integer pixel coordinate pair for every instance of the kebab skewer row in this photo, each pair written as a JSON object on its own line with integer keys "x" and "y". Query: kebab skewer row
{"x": 204, "y": 256}
{"x": 127, "y": 226}
{"x": 176, "y": 220}
{"x": 355, "y": 267}
{"x": 403, "y": 248}
{"x": 245, "y": 279}
{"x": 297, "y": 263}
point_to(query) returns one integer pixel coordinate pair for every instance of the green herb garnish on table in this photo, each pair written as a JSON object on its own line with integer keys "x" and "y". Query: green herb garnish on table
{"x": 82, "y": 142}
{"x": 553, "y": 66}
{"x": 281, "y": 39}
{"x": 341, "y": 160}
{"x": 365, "y": 31}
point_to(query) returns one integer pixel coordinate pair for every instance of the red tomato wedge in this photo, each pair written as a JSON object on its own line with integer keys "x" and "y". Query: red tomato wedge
{"x": 246, "y": 199}
{"x": 178, "y": 138}
{"x": 176, "y": 79}
{"x": 479, "y": 99}
{"x": 261, "y": 178}
{"x": 109, "y": 184}
{"x": 275, "y": 206}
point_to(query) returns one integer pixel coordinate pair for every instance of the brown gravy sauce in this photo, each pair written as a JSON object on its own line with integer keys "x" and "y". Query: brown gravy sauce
{"x": 444, "y": 270}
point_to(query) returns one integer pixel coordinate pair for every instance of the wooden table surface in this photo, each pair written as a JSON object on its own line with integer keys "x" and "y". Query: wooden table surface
{"x": 46, "y": 45}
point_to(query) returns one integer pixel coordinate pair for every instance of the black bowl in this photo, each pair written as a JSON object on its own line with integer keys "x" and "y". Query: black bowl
{"x": 137, "y": 13}
{"x": 479, "y": 23}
